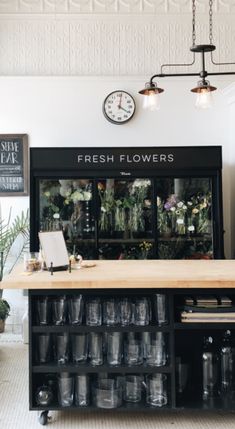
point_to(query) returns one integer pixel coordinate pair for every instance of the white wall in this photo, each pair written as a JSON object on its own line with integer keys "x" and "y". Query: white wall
{"x": 67, "y": 111}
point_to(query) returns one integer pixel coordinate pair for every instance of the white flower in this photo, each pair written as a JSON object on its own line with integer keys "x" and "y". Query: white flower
{"x": 77, "y": 196}
{"x": 191, "y": 228}
{"x": 158, "y": 201}
{"x": 195, "y": 211}
{"x": 172, "y": 209}
{"x": 180, "y": 221}
{"x": 141, "y": 183}
{"x": 65, "y": 191}
{"x": 87, "y": 196}
{"x": 189, "y": 203}
{"x": 103, "y": 209}
{"x": 184, "y": 207}
{"x": 65, "y": 183}
{"x": 76, "y": 184}
{"x": 180, "y": 204}
{"x": 56, "y": 215}
{"x": 148, "y": 203}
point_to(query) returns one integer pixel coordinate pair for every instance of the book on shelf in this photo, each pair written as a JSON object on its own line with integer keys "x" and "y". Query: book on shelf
{"x": 211, "y": 317}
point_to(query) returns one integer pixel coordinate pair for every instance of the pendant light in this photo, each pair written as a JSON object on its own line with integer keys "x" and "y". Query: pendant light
{"x": 204, "y": 89}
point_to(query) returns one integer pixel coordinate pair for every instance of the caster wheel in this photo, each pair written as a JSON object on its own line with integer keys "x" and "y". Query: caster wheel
{"x": 43, "y": 418}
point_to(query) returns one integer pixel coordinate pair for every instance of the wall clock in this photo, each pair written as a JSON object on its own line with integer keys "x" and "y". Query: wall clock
{"x": 119, "y": 107}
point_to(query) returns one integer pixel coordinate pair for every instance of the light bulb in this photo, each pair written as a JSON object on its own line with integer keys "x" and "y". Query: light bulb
{"x": 204, "y": 99}
{"x": 151, "y": 101}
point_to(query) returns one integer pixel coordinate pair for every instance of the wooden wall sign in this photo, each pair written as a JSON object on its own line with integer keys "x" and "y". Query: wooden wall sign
{"x": 14, "y": 165}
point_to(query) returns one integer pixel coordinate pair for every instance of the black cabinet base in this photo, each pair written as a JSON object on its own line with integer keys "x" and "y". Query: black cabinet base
{"x": 184, "y": 340}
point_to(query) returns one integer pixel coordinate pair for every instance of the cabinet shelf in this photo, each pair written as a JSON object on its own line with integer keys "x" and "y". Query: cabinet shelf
{"x": 186, "y": 238}
{"x": 128, "y": 406}
{"x": 125, "y": 241}
{"x": 103, "y": 328}
{"x": 86, "y": 368}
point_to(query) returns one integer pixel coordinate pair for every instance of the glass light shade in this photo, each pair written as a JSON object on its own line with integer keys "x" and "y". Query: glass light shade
{"x": 151, "y": 101}
{"x": 204, "y": 99}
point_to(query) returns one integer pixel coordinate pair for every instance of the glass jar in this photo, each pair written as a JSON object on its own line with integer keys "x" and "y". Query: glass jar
{"x": 32, "y": 262}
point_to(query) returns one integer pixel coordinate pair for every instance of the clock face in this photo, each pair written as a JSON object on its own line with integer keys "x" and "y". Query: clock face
{"x": 119, "y": 107}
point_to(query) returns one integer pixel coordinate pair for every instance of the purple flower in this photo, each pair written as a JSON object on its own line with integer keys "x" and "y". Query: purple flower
{"x": 167, "y": 205}
{"x": 171, "y": 202}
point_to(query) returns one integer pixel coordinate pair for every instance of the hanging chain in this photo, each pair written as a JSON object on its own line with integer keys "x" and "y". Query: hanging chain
{"x": 194, "y": 22}
{"x": 211, "y": 22}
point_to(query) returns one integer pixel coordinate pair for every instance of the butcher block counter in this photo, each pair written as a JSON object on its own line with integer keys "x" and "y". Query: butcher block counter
{"x": 130, "y": 274}
{"x": 123, "y": 303}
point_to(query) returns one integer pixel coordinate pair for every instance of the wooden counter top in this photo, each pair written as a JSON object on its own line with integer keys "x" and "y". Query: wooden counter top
{"x": 131, "y": 274}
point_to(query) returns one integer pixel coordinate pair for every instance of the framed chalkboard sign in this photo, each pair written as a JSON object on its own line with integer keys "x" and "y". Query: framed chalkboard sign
{"x": 14, "y": 165}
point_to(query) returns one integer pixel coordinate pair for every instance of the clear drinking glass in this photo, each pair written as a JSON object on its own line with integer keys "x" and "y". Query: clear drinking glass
{"x": 96, "y": 348}
{"x": 161, "y": 309}
{"x": 141, "y": 311}
{"x": 59, "y": 310}
{"x": 79, "y": 348}
{"x": 156, "y": 350}
{"x": 133, "y": 352}
{"x": 107, "y": 393}
{"x": 114, "y": 348}
{"x": 93, "y": 312}
{"x": 62, "y": 348}
{"x": 125, "y": 310}
{"x": 43, "y": 348}
{"x": 75, "y": 310}
{"x": 43, "y": 310}
{"x": 182, "y": 375}
{"x": 146, "y": 339}
{"x": 156, "y": 390}
{"x": 132, "y": 388}
{"x": 82, "y": 390}
{"x": 65, "y": 389}
{"x": 110, "y": 312}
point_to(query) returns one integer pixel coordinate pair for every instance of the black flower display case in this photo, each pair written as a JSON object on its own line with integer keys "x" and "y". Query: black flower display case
{"x": 130, "y": 203}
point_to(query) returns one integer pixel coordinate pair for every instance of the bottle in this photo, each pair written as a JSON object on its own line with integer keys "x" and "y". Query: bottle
{"x": 226, "y": 362}
{"x": 209, "y": 368}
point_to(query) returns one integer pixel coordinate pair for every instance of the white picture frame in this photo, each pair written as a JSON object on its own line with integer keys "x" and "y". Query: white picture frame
{"x": 54, "y": 249}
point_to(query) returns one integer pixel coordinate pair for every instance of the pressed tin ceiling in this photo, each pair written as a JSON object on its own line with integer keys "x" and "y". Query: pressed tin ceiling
{"x": 109, "y": 6}
{"x": 106, "y": 38}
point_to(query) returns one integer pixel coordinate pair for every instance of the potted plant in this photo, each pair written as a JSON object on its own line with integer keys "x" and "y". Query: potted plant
{"x": 10, "y": 231}
{"x": 4, "y": 313}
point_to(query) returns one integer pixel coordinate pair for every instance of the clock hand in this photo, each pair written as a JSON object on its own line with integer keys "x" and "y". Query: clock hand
{"x": 120, "y": 100}
{"x": 127, "y": 111}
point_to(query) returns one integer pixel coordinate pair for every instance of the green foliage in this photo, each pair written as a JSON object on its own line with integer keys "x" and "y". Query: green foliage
{"x": 4, "y": 309}
{"x": 9, "y": 232}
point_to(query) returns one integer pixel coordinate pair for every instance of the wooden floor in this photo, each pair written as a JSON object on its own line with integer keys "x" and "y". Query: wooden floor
{"x": 14, "y": 412}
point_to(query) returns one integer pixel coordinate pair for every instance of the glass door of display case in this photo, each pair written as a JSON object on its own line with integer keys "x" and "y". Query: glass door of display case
{"x": 68, "y": 205}
{"x": 184, "y": 218}
{"x": 125, "y": 220}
